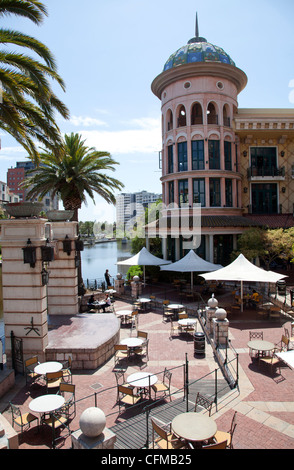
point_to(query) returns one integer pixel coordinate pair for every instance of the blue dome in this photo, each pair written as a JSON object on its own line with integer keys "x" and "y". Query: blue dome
{"x": 198, "y": 50}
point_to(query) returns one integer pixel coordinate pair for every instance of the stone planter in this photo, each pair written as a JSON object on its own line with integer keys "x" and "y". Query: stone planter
{"x": 23, "y": 209}
{"x": 59, "y": 216}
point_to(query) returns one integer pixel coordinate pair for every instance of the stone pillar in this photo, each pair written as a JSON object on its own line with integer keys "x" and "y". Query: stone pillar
{"x": 24, "y": 296}
{"x": 106, "y": 440}
{"x": 63, "y": 273}
{"x": 119, "y": 285}
{"x": 220, "y": 331}
{"x": 136, "y": 289}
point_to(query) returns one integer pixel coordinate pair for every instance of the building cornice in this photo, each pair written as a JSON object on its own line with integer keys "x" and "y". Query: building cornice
{"x": 185, "y": 71}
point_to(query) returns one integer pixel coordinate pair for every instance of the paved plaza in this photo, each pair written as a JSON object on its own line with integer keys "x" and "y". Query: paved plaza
{"x": 264, "y": 402}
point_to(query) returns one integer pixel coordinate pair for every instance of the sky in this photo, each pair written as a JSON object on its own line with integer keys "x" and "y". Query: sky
{"x": 109, "y": 51}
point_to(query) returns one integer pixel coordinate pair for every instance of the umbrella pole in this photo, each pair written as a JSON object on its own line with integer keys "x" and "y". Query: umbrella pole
{"x": 191, "y": 281}
{"x": 144, "y": 274}
{"x": 241, "y": 296}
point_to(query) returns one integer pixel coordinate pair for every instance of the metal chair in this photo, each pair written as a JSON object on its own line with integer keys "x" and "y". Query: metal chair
{"x": 53, "y": 380}
{"x": 203, "y": 402}
{"x": 217, "y": 445}
{"x": 66, "y": 370}
{"x": 20, "y": 419}
{"x": 221, "y": 436}
{"x": 67, "y": 390}
{"x": 30, "y": 365}
{"x": 121, "y": 352}
{"x": 127, "y": 397}
{"x": 166, "y": 438}
{"x": 164, "y": 386}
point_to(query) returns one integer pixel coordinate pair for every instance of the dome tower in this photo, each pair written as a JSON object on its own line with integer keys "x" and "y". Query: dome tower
{"x": 198, "y": 89}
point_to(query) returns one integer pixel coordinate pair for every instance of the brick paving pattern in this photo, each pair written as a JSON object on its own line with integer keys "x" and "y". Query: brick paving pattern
{"x": 265, "y": 403}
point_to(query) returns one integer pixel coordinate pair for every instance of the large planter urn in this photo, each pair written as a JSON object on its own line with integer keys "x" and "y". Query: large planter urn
{"x": 59, "y": 215}
{"x": 23, "y": 209}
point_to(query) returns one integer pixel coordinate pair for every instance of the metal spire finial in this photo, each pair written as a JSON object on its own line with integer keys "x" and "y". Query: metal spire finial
{"x": 197, "y": 29}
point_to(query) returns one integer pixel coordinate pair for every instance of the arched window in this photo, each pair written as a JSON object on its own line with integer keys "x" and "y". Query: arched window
{"x": 212, "y": 117}
{"x": 169, "y": 120}
{"x": 182, "y": 121}
{"x": 196, "y": 114}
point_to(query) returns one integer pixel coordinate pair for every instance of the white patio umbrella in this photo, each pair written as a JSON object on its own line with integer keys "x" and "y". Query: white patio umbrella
{"x": 191, "y": 263}
{"x": 143, "y": 258}
{"x": 242, "y": 270}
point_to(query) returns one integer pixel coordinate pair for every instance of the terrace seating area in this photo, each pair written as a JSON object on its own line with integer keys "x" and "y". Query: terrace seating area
{"x": 149, "y": 369}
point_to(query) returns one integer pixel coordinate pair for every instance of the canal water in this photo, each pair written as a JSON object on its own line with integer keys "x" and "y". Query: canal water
{"x": 95, "y": 260}
{"x": 101, "y": 256}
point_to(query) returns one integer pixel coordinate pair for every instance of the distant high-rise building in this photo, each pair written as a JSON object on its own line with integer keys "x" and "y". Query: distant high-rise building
{"x": 132, "y": 205}
{"x": 15, "y": 177}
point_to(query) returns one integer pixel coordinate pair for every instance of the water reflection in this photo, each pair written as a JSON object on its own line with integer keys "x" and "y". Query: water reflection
{"x": 101, "y": 256}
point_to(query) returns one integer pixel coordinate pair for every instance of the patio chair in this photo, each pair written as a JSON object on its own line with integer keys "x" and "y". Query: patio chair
{"x": 153, "y": 302}
{"x": 174, "y": 329}
{"x": 120, "y": 380}
{"x": 66, "y": 370}
{"x": 166, "y": 438}
{"x": 270, "y": 361}
{"x": 20, "y": 419}
{"x": 142, "y": 334}
{"x": 164, "y": 386}
{"x": 221, "y": 436}
{"x": 142, "y": 351}
{"x": 166, "y": 312}
{"x": 67, "y": 390}
{"x": 217, "y": 445}
{"x": 255, "y": 335}
{"x": 121, "y": 352}
{"x": 203, "y": 402}
{"x": 182, "y": 315}
{"x": 127, "y": 397}
{"x": 30, "y": 365}
{"x": 53, "y": 380}
{"x": 135, "y": 321}
{"x": 275, "y": 312}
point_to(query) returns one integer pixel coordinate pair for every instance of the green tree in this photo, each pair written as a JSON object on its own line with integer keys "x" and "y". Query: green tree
{"x": 77, "y": 172}
{"x": 251, "y": 244}
{"x": 28, "y": 103}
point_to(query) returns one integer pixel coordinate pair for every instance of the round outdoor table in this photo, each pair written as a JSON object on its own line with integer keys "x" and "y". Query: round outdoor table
{"x": 142, "y": 379}
{"x": 132, "y": 342}
{"x": 175, "y": 306}
{"x": 144, "y": 302}
{"x": 110, "y": 291}
{"x": 124, "y": 315}
{"x": 46, "y": 403}
{"x": 187, "y": 321}
{"x": 47, "y": 367}
{"x": 194, "y": 427}
{"x": 260, "y": 345}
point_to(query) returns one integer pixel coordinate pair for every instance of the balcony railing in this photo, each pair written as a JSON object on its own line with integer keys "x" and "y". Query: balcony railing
{"x": 264, "y": 172}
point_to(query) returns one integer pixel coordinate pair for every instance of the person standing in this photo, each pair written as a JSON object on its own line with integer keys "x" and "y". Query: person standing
{"x": 107, "y": 278}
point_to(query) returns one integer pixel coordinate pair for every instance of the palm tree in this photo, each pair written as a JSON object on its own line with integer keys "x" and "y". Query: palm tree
{"x": 77, "y": 172}
{"x": 28, "y": 103}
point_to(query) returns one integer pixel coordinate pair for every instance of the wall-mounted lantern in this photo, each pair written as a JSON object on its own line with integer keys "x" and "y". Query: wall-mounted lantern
{"x": 282, "y": 153}
{"x": 47, "y": 252}
{"x": 245, "y": 190}
{"x": 67, "y": 245}
{"x": 45, "y": 277}
{"x": 283, "y": 189}
{"x": 79, "y": 244}
{"x": 245, "y": 153}
{"x": 29, "y": 254}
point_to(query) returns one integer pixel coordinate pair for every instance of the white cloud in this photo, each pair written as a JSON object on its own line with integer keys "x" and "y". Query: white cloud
{"x": 86, "y": 121}
{"x": 146, "y": 138}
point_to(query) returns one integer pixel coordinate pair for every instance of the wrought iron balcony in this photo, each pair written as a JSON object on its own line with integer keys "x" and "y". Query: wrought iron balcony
{"x": 265, "y": 172}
